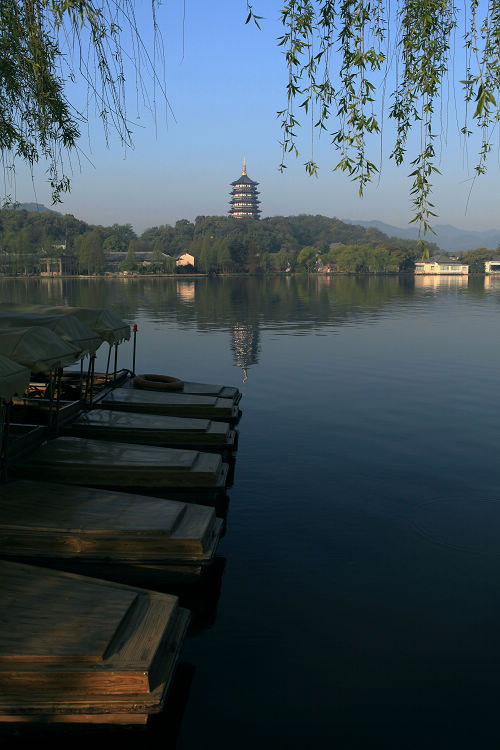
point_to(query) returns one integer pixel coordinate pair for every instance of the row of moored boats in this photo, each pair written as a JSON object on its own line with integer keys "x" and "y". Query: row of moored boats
{"x": 113, "y": 487}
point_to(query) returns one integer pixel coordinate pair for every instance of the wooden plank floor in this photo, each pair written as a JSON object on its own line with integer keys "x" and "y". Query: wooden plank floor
{"x": 206, "y": 389}
{"x": 78, "y": 647}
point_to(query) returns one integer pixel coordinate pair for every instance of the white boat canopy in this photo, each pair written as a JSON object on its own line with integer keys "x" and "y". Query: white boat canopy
{"x": 111, "y": 328}
{"x": 14, "y": 378}
{"x": 37, "y": 348}
{"x": 67, "y": 327}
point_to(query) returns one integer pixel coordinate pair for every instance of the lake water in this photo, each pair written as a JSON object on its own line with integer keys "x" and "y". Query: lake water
{"x": 359, "y": 601}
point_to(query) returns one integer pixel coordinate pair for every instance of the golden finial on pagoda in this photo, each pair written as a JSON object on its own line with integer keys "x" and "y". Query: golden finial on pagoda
{"x": 244, "y": 166}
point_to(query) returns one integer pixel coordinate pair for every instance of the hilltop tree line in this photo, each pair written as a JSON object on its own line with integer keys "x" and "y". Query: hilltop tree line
{"x": 218, "y": 244}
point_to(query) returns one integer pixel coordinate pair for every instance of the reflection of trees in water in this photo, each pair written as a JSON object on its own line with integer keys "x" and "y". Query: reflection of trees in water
{"x": 224, "y": 303}
{"x": 240, "y": 305}
{"x": 245, "y": 345}
{"x": 115, "y": 294}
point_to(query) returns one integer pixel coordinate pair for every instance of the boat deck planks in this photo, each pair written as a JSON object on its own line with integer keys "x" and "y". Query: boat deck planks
{"x": 47, "y": 521}
{"x": 104, "y": 463}
{"x": 151, "y": 429}
{"x": 72, "y": 617}
{"x": 202, "y": 389}
{"x": 170, "y": 404}
{"x": 74, "y": 647}
{"x": 207, "y": 389}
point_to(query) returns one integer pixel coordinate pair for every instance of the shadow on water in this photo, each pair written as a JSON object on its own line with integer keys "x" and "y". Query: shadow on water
{"x": 202, "y": 598}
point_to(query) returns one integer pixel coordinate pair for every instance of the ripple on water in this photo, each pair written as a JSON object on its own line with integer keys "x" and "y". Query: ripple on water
{"x": 470, "y": 525}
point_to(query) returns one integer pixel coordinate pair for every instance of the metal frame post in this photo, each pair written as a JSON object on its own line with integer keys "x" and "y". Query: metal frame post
{"x": 135, "y": 343}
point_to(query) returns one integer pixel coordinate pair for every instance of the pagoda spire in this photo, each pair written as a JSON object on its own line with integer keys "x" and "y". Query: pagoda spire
{"x": 244, "y": 166}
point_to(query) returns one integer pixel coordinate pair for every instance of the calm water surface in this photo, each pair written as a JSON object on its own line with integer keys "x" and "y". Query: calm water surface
{"x": 359, "y": 601}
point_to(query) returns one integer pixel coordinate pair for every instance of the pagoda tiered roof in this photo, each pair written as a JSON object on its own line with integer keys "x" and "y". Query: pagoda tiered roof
{"x": 241, "y": 199}
{"x": 244, "y": 180}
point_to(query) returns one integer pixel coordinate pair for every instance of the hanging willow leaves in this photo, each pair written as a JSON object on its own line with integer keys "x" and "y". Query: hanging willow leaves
{"x": 340, "y": 54}
{"x": 43, "y": 45}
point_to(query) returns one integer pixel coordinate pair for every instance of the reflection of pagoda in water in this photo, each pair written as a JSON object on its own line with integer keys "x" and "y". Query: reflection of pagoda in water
{"x": 244, "y": 202}
{"x": 245, "y": 345}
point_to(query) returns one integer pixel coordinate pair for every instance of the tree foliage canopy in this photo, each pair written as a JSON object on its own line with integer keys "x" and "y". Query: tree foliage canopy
{"x": 218, "y": 243}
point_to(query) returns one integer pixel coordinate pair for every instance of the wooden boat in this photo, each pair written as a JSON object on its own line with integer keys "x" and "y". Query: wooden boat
{"x": 77, "y": 649}
{"x": 208, "y": 389}
{"x": 198, "y": 389}
{"x": 170, "y": 404}
{"x": 109, "y": 534}
{"x": 84, "y": 328}
{"x": 72, "y": 323}
{"x": 188, "y": 388}
{"x": 140, "y": 468}
{"x": 150, "y": 429}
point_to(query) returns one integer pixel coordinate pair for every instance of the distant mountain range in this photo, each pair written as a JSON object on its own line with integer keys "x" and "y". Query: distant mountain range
{"x": 449, "y": 238}
{"x": 39, "y": 207}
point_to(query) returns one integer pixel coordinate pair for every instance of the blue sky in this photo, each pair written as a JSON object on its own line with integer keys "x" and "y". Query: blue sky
{"x": 225, "y": 82}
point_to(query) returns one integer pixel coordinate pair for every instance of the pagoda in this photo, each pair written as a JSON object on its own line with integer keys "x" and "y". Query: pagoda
{"x": 244, "y": 201}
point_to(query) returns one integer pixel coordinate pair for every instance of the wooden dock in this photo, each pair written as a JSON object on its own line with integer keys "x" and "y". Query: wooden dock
{"x": 77, "y": 649}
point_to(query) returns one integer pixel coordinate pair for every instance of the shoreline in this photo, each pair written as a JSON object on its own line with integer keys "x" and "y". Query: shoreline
{"x": 242, "y": 274}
